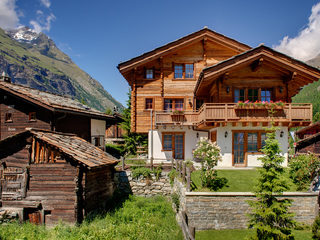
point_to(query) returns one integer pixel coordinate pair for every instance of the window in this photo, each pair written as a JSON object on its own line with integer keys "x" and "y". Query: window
{"x": 32, "y": 116}
{"x": 253, "y": 95}
{"x": 263, "y": 139}
{"x": 149, "y": 103}
{"x": 149, "y": 73}
{"x": 252, "y": 141}
{"x": 178, "y": 71}
{"x": 189, "y": 70}
{"x": 265, "y": 95}
{"x": 183, "y": 71}
{"x": 167, "y": 142}
{"x": 8, "y": 117}
{"x": 170, "y": 104}
{"x": 239, "y": 95}
{"x": 174, "y": 142}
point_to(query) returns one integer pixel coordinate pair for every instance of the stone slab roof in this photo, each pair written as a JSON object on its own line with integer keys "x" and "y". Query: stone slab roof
{"x": 51, "y": 101}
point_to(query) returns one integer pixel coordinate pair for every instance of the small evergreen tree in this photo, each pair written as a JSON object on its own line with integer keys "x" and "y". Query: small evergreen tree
{"x": 270, "y": 216}
{"x": 132, "y": 139}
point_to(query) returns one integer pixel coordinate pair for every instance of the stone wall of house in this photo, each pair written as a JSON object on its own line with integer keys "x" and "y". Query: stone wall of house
{"x": 227, "y": 210}
{"x": 141, "y": 186}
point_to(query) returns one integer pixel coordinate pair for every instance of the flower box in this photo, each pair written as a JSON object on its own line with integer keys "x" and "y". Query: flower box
{"x": 260, "y": 105}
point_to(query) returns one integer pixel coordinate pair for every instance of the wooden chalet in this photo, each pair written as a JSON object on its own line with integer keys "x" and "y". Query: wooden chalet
{"x": 24, "y": 107}
{"x": 191, "y": 88}
{"x": 309, "y": 144}
{"x": 54, "y": 176}
{"x": 308, "y": 131}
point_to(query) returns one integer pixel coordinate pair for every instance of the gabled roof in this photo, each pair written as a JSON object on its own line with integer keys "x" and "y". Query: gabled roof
{"x": 177, "y": 44}
{"x": 302, "y": 130}
{"x": 74, "y": 147}
{"x": 267, "y": 56}
{"x": 307, "y": 141}
{"x": 50, "y": 101}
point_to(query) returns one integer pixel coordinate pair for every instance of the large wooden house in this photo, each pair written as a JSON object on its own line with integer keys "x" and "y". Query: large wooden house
{"x": 48, "y": 176}
{"x": 194, "y": 87}
{"x": 24, "y": 107}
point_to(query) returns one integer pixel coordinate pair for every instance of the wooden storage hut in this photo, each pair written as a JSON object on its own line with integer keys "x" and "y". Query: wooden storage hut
{"x": 310, "y": 144}
{"x": 52, "y": 176}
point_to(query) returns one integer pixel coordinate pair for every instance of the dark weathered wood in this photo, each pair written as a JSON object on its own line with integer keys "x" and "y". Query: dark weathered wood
{"x": 189, "y": 179}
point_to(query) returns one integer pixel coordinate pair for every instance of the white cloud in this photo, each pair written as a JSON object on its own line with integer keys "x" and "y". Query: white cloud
{"x": 43, "y": 23}
{"x": 46, "y": 3}
{"x": 9, "y": 17}
{"x": 306, "y": 45}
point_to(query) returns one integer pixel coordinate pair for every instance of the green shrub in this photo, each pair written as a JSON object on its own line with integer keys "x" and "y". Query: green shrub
{"x": 172, "y": 175}
{"x": 141, "y": 171}
{"x": 176, "y": 200}
{"x": 303, "y": 169}
{"x": 114, "y": 149}
{"x": 189, "y": 164}
{"x": 157, "y": 172}
{"x": 316, "y": 228}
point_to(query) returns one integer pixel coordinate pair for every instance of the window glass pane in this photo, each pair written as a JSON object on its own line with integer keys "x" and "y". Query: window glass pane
{"x": 167, "y": 142}
{"x": 178, "y": 71}
{"x": 178, "y": 151}
{"x": 149, "y": 73}
{"x": 265, "y": 95}
{"x": 167, "y": 104}
{"x": 252, "y": 142}
{"x": 263, "y": 139}
{"x": 239, "y": 95}
{"x": 149, "y": 103}
{"x": 178, "y": 104}
{"x": 238, "y": 148}
{"x": 189, "y": 70}
{"x": 253, "y": 95}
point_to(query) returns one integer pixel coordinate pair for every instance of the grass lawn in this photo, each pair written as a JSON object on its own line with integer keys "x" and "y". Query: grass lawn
{"x": 238, "y": 180}
{"x": 138, "y": 218}
{"x": 239, "y": 234}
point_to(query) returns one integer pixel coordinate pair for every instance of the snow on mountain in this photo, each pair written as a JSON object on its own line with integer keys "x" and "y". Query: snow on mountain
{"x": 23, "y": 34}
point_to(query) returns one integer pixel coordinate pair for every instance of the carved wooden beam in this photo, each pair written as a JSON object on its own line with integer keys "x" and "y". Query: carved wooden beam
{"x": 234, "y": 124}
{"x": 225, "y": 78}
{"x": 291, "y": 77}
{"x": 205, "y": 51}
{"x": 256, "y": 65}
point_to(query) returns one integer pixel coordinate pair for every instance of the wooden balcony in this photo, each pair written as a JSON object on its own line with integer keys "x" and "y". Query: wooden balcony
{"x": 213, "y": 114}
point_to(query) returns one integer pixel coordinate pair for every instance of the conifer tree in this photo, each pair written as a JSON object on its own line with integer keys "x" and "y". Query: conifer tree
{"x": 270, "y": 216}
{"x": 132, "y": 139}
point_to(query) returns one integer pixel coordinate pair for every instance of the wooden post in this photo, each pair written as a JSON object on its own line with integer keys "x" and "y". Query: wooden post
{"x": 188, "y": 179}
{"x": 122, "y": 163}
{"x": 172, "y": 163}
{"x": 177, "y": 165}
{"x": 180, "y": 172}
{"x": 193, "y": 231}
{"x": 183, "y": 172}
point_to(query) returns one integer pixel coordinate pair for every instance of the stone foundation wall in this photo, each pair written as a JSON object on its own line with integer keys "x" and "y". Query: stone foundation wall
{"x": 227, "y": 210}
{"x": 141, "y": 186}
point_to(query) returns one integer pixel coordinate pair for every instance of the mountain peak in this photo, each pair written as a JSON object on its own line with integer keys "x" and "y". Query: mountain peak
{"x": 24, "y": 34}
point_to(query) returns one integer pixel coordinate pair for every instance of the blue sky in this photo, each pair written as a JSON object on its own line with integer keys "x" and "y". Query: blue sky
{"x": 97, "y": 35}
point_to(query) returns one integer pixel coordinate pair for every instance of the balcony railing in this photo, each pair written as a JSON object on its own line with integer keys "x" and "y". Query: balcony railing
{"x": 228, "y": 112}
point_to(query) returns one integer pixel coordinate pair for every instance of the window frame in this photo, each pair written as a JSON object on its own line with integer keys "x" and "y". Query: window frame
{"x": 184, "y": 74}
{"x": 173, "y": 103}
{"x": 32, "y": 117}
{"x": 163, "y": 149}
{"x": 146, "y": 73}
{"x": 246, "y": 96}
{"x": 146, "y": 103}
{"x": 8, "y": 117}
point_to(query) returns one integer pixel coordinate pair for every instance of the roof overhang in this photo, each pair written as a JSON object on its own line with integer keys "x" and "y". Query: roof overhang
{"x": 126, "y": 67}
{"x": 298, "y": 73}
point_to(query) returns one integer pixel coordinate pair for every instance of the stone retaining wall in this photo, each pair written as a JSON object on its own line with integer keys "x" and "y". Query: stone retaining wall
{"x": 141, "y": 186}
{"x": 227, "y": 210}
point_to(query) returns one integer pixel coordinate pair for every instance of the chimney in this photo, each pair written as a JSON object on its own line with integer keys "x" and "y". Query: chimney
{"x": 5, "y": 77}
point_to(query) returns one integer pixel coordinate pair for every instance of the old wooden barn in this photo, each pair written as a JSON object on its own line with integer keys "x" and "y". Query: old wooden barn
{"x": 50, "y": 176}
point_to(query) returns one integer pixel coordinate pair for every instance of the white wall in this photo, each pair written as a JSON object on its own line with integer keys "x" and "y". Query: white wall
{"x": 98, "y": 127}
{"x": 190, "y": 142}
{"x": 224, "y": 143}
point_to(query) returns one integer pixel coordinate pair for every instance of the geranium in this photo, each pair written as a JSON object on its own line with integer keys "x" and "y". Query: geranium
{"x": 260, "y": 104}
{"x": 177, "y": 111}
